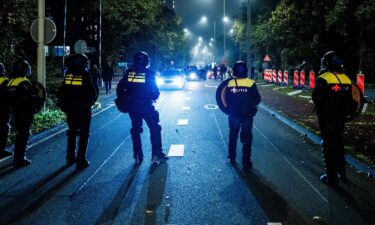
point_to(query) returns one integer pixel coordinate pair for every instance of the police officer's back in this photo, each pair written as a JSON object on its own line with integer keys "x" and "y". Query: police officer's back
{"x": 77, "y": 95}
{"x": 4, "y": 113}
{"x": 23, "y": 106}
{"x": 334, "y": 105}
{"x": 138, "y": 87}
{"x": 242, "y": 99}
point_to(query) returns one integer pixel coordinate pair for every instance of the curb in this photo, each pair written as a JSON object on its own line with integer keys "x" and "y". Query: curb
{"x": 370, "y": 171}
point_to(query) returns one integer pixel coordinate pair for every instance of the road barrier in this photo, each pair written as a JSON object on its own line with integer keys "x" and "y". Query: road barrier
{"x": 279, "y": 77}
{"x": 312, "y": 79}
{"x": 361, "y": 82}
{"x": 285, "y": 78}
{"x": 302, "y": 80}
{"x": 274, "y": 76}
{"x": 295, "y": 79}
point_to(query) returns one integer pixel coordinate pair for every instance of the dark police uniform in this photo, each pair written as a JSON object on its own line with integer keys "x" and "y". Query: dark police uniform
{"x": 242, "y": 98}
{"x": 139, "y": 86}
{"x": 4, "y": 113}
{"x": 333, "y": 99}
{"x": 79, "y": 95}
{"x": 332, "y": 96}
{"x": 21, "y": 101}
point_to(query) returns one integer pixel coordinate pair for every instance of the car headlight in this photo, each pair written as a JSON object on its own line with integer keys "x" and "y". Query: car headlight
{"x": 193, "y": 76}
{"x": 159, "y": 81}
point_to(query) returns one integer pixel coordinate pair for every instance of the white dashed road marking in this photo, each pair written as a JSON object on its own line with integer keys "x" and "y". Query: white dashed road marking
{"x": 211, "y": 106}
{"x": 176, "y": 150}
{"x": 185, "y": 108}
{"x": 187, "y": 98}
{"x": 274, "y": 223}
{"x": 210, "y": 86}
{"x": 182, "y": 122}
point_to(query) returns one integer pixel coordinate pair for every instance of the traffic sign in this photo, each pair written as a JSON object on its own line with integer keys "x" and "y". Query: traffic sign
{"x": 267, "y": 58}
{"x": 49, "y": 30}
{"x": 80, "y": 47}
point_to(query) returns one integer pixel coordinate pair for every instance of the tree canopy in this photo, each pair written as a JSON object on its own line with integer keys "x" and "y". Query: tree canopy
{"x": 292, "y": 31}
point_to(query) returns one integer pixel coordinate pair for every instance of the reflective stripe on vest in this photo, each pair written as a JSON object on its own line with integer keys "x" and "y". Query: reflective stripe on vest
{"x": 241, "y": 82}
{"x": 16, "y": 81}
{"x": 137, "y": 77}
{"x": 73, "y": 80}
{"x": 2, "y": 80}
{"x": 332, "y": 79}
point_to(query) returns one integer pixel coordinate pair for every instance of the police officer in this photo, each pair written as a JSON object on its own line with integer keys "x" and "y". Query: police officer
{"x": 4, "y": 113}
{"x": 332, "y": 98}
{"x": 23, "y": 108}
{"x": 79, "y": 95}
{"x": 242, "y": 99}
{"x": 139, "y": 86}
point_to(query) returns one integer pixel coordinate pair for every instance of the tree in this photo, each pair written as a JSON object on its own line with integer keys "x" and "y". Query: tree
{"x": 15, "y": 20}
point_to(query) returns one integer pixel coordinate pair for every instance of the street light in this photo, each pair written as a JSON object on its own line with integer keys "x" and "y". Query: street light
{"x": 248, "y": 42}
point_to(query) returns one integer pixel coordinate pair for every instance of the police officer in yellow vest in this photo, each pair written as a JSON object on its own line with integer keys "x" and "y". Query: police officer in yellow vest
{"x": 139, "y": 87}
{"x": 21, "y": 101}
{"x": 242, "y": 99}
{"x": 333, "y": 100}
{"x": 4, "y": 113}
{"x": 79, "y": 94}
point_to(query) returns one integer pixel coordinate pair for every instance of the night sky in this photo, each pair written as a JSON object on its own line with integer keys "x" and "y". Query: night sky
{"x": 191, "y": 12}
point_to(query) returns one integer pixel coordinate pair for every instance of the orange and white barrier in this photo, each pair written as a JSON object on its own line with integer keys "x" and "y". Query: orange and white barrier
{"x": 279, "y": 77}
{"x": 295, "y": 79}
{"x": 302, "y": 80}
{"x": 285, "y": 82}
{"x": 274, "y": 76}
{"x": 312, "y": 79}
{"x": 361, "y": 82}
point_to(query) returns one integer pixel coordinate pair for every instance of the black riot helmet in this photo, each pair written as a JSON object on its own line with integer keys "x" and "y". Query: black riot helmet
{"x": 2, "y": 69}
{"x": 332, "y": 62}
{"x": 77, "y": 62}
{"x": 240, "y": 69}
{"x": 141, "y": 60}
{"x": 21, "y": 68}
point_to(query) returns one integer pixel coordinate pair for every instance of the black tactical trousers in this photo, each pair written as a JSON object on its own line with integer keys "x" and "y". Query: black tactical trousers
{"x": 151, "y": 116}
{"x": 79, "y": 125}
{"x": 22, "y": 124}
{"x": 245, "y": 124}
{"x": 4, "y": 126}
{"x": 332, "y": 147}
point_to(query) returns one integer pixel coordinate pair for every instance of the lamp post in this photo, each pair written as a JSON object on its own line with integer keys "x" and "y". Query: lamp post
{"x": 248, "y": 41}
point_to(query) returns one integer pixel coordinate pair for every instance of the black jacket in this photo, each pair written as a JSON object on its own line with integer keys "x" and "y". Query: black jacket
{"x": 333, "y": 96}
{"x": 242, "y": 97}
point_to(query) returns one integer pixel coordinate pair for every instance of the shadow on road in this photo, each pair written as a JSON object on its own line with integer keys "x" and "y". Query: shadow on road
{"x": 276, "y": 208}
{"x": 112, "y": 210}
{"x": 155, "y": 192}
{"x": 34, "y": 197}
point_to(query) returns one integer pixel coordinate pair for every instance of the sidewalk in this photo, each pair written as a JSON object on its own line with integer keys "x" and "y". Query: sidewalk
{"x": 358, "y": 136}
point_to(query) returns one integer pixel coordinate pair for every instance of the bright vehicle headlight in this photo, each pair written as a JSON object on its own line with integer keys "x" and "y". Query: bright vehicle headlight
{"x": 159, "y": 81}
{"x": 193, "y": 76}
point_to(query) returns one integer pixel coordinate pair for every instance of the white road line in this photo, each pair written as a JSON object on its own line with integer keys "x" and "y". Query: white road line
{"x": 176, "y": 150}
{"x": 294, "y": 92}
{"x": 274, "y": 224}
{"x": 182, "y": 122}
{"x": 210, "y": 86}
{"x": 187, "y": 98}
{"x": 291, "y": 165}
{"x": 101, "y": 166}
{"x": 185, "y": 108}
{"x": 217, "y": 124}
{"x": 118, "y": 116}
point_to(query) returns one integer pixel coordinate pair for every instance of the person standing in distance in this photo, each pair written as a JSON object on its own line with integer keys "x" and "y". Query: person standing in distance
{"x": 4, "y": 113}
{"x": 139, "y": 87}
{"x": 22, "y": 105}
{"x": 242, "y": 100}
{"x": 79, "y": 94}
{"x": 107, "y": 75}
{"x": 333, "y": 102}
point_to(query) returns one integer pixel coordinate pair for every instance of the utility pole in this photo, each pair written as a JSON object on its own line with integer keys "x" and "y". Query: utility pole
{"x": 64, "y": 45}
{"x": 41, "y": 59}
{"x": 248, "y": 41}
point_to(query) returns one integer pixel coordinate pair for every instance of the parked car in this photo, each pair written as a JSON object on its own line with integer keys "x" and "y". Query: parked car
{"x": 171, "y": 79}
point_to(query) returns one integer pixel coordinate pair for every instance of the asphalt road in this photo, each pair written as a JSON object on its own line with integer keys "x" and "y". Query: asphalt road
{"x": 199, "y": 188}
